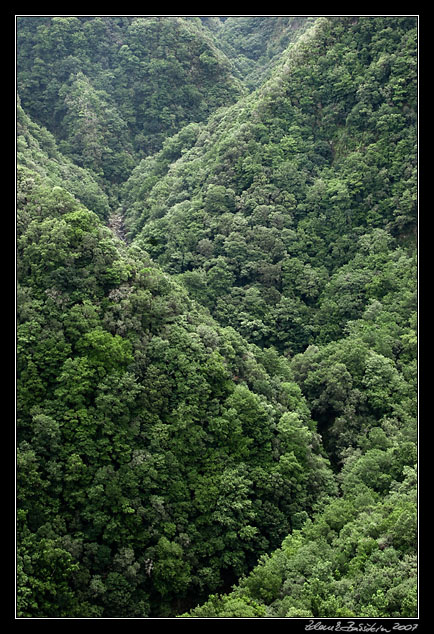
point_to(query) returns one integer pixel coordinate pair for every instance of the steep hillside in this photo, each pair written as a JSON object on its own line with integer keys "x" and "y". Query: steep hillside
{"x": 254, "y": 43}
{"x": 38, "y": 153}
{"x": 112, "y": 88}
{"x": 158, "y": 454}
{"x": 357, "y": 559}
{"x": 217, "y": 317}
{"x": 258, "y": 210}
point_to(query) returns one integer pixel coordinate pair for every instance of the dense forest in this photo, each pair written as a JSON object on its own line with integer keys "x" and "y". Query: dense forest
{"x": 216, "y": 241}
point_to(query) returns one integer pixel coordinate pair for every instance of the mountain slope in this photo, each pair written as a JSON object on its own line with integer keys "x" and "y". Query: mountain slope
{"x": 158, "y": 453}
{"x": 112, "y": 88}
{"x": 38, "y": 154}
{"x": 273, "y": 195}
{"x": 357, "y": 559}
{"x": 228, "y": 400}
{"x": 254, "y": 43}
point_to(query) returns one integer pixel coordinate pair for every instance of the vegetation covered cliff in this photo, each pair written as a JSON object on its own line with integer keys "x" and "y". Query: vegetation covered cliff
{"x": 217, "y": 415}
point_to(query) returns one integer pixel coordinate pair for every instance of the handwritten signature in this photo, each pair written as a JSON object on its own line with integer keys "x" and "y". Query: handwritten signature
{"x": 352, "y": 626}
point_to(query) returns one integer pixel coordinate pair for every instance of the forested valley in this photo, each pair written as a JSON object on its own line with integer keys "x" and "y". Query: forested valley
{"x": 216, "y": 243}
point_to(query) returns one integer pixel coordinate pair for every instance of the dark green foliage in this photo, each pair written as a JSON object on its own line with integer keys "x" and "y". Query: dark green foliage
{"x": 228, "y": 399}
{"x": 153, "y": 438}
{"x": 112, "y": 89}
{"x": 255, "y": 43}
{"x": 356, "y": 558}
{"x": 38, "y": 155}
{"x": 278, "y": 190}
